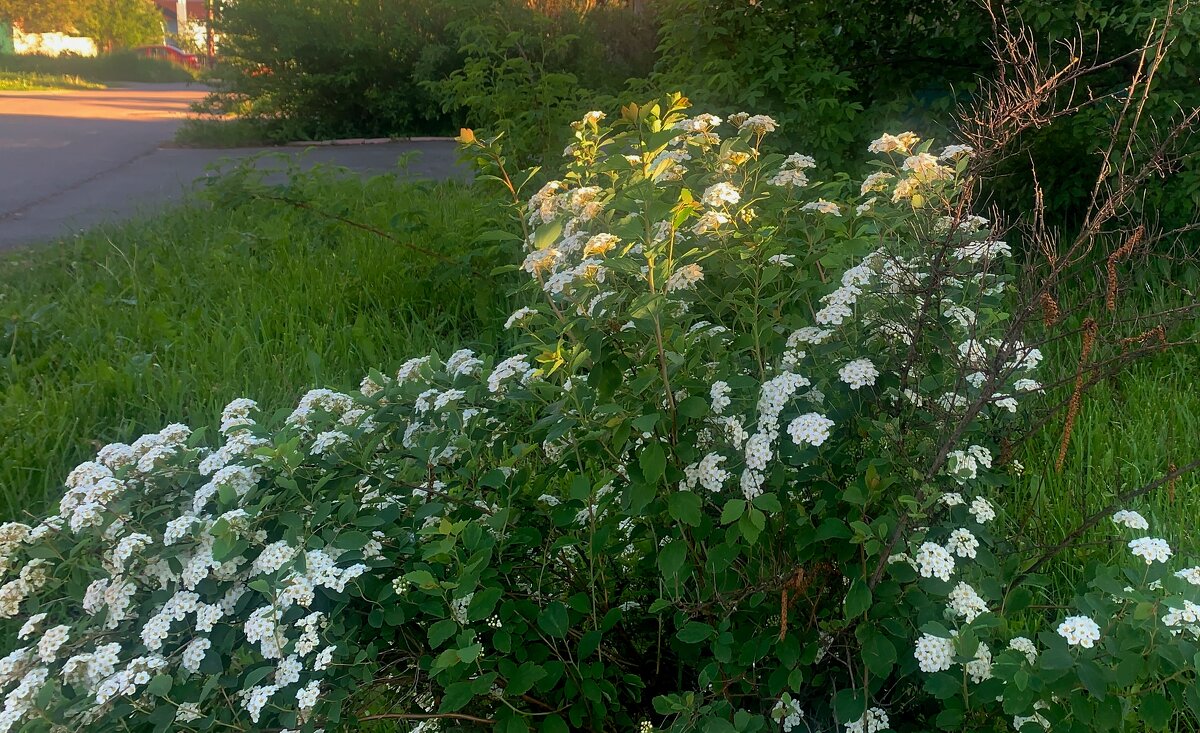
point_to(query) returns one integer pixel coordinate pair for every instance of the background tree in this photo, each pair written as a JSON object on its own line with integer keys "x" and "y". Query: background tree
{"x": 36, "y": 16}
{"x": 121, "y": 23}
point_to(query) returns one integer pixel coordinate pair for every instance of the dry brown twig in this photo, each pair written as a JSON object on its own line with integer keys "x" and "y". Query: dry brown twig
{"x": 1029, "y": 92}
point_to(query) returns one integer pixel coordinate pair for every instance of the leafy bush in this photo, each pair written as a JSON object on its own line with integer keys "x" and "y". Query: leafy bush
{"x": 334, "y": 68}
{"x": 738, "y": 475}
{"x": 833, "y": 75}
{"x": 345, "y": 68}
{"x": 527, "y": 72}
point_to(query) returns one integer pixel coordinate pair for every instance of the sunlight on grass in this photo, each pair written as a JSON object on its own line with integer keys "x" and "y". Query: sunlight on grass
{"x": 127, "y": 329}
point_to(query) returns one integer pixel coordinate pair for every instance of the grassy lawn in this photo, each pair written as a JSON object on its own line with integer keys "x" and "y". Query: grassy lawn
{"x": 128, "y": 328}
{"x": 116, "y": 66}
{"x": 22, "y": 81}
{"x": 1131, "y": 428}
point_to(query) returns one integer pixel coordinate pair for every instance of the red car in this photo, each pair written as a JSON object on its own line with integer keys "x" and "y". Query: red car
{"x": 170, "y": 53}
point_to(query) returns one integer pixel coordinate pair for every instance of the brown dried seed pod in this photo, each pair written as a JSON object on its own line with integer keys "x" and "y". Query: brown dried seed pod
{"x": 1050, "y": 311}
{"x": 1090, "y": 327}
{"x": 1110, "y": 298}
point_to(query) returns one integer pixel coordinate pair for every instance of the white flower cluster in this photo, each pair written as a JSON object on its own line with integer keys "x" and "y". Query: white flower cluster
{"x": 934, "y": 653}
{"x": 1150, "y": 549}
{"x": 787, "y": 713}
{"x": 872, "y": 721}
{"x": 1130, "y": 519}
{"x": 1079, "y": 631}
{"x": 810, "y": 428}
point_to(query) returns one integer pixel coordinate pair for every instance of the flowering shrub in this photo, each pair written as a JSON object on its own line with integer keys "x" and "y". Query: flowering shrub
{"x": 739, "y": 475}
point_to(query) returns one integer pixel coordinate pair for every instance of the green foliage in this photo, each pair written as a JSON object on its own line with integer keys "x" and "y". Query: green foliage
{"x": 168, "y": 318}
{"x": 117, "y": 66}
{"x": 334, "y": 68}
{"x": 347, "y": 68}
{"x": 835, "y": 74}
{"x": 734, "y": 477}
{"x": 37, "y": 16}
{"x": 31, "y": 81}
{"x": 121, "y": 23}
{"x": 526, "y": 74}
{"x": 112, "y": 23}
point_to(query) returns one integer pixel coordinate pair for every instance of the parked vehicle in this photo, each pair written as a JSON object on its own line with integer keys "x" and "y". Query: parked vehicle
{"x": 172, "y": 54}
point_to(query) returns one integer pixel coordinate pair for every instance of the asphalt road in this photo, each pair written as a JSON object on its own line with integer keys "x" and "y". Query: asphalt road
{"x": 72, "y": 160}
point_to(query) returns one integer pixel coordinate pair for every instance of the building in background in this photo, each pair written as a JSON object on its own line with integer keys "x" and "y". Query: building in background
{"x": 187, "y": 21}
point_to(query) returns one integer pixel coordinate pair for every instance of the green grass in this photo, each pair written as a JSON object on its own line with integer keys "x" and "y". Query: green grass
{"x": 1130, "y": 428}
{"x": 118, "y": 66}
{"x": 214, "y": 132}
{"x": 126, "y": 329}
{"x": 28, "y": 81}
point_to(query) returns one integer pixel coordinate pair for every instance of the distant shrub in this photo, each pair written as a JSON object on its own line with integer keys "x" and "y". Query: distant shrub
{"x": 116, "y": 66}
{"x": 335, "y": 68}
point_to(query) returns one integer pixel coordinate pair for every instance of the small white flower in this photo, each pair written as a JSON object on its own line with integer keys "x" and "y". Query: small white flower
{"x": 934, "y": 654}
{"x": 1151, "y": 549}
{"x": 1130, "y": 519}
{"x": 822, "y": 206}
{"x": 963, "y": 543}
{"x": 982, "y": 510}
{"x": 811, "y": 428}
{"x": 1191, "y": 575}
{"x": 1026, "y": 647}
{"x": 858, "y": 373}
{"x": 720, "y": 194}
{"x": 966, "y": 603}
{"x": 1079, "y": 631}
{"x": 872, "y": 721}
{"x": 933, "y": 561}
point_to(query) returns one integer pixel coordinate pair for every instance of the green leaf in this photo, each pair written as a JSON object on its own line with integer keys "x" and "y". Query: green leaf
{"x": 768, "y": 503}
{"x": 441, "y": 631}
{"x": 685, "y": 507}
{"x": 457, "y": 695}
{"x": 695, "y": 632}
{"x": 469, "y": 654}
{"x": 513, "y": 724}
{"x": 733, "y": 510}
{"x": 254, "y": 676}
{"x": 589, "y": 644}
{"x": 523, "y": 680}
{"x": 553, "y": 620}
{"x": 653, "y": 461}
{"x": 849, "y": 705}
{"x": 483, "y": 603}
{"x": 554, "y": 724}
{"x": 858, "y": 599}
{"x": 832, "y": 529}
{"x": 352, "y": 540}
{"x": 1093, "y": 678}
{"x": 1018, "y": 600}
{"x": 547, "y": 234}
{"x": 160, "y": 686}
{"x": 692, "y": 407}
{"x": 1155, "y": 711}
{"x": 878, "y": 652}
{"x": 671, "y": 557}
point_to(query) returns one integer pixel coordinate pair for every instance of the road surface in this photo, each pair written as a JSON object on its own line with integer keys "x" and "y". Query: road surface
{"x": 72, "y": 160}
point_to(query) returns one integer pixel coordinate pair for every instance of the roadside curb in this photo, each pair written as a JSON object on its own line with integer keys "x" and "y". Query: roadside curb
{"x": 366, "y": 141}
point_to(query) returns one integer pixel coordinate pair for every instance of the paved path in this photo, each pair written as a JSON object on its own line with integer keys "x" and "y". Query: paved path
{"x": 71, "y": 160}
